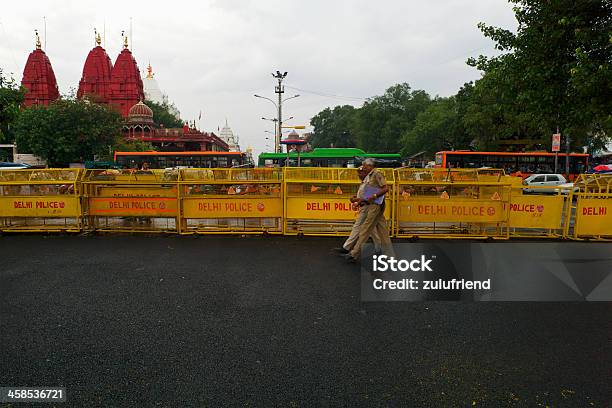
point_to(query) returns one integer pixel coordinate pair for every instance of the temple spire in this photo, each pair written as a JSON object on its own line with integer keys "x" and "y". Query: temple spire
{"x": 149, "y": 71}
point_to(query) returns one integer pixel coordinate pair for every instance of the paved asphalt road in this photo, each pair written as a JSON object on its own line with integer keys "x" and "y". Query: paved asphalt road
{"x": 274, "y": 321}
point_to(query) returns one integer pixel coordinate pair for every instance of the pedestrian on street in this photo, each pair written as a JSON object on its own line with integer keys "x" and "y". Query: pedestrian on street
{"x": 375, "y": 189}
{"x": 358, "y": 204}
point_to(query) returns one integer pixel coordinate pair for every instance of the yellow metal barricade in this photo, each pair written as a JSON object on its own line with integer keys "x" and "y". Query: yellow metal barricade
{"x": 131, "y": 201}
{"x": 538, "y": 212}
{"x": 591, "y": 208}
{"x": 450, "y": 203}
{"x": 236, "y": 200}
{"x": 514, "y": 181}
{"x": 40, "y": 200}
{"x": 490, "y": 174}
{"x": 317, "y": 200}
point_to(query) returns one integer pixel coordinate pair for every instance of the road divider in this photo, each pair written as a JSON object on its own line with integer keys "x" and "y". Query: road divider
{"x": 241, "y": 200}
{"x": 591, "y": 208}
{"x": 130, "y": 201}
{"x": 421, "y": 203}
{"x": 317, "y": 200}
{"x": 40, "y": 200}
{"x": 434, "y": 203}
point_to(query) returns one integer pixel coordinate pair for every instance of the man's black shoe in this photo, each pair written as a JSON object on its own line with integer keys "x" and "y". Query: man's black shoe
{"x": 349, "y": 258}
{"x": 340, "y": 250}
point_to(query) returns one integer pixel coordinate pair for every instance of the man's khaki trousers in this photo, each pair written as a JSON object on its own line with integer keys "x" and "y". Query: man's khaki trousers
{"x": 374, "y": 221}
{"x": 352, "y": 239}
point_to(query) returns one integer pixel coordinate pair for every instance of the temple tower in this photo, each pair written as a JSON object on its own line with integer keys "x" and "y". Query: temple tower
{"x": 38, "y": 78}
{"x": 96, "y": 79}
{"x": 126, "y": 87}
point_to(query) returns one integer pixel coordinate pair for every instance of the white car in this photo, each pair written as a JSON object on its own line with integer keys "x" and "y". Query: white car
{"x": 566, "y": 188}
{"x": 544, "y": 183}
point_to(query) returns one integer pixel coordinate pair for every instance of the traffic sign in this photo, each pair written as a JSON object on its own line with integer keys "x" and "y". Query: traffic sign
{"x": 556, "y": 142}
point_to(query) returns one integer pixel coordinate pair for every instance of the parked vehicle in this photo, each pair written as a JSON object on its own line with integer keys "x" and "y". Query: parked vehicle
{"x": 13, "y": 166}
{"x": 544, "y": 183}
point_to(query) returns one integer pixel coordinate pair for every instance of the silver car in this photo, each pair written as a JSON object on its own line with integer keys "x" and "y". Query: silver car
{"x": 544, "y": 183}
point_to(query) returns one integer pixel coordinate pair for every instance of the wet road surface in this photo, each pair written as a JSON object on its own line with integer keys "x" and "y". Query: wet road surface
{"x": 267, "y": 321}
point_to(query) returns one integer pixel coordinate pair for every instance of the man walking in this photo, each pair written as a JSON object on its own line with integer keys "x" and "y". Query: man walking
{"x": 358, "y": 204}
{"x": 375, "y": 189}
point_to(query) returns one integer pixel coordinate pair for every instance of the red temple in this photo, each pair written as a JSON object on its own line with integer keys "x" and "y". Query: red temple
{"x": 120, "y": 86}
{"x": 39, "y": 79}
{"x": 96, "y": 78}
{"x": 140, "y": 126}
{"x": 126, "y": 87}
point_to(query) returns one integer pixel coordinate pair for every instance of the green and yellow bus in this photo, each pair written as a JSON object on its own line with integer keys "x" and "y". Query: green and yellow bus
{"x": 329, "y": 157}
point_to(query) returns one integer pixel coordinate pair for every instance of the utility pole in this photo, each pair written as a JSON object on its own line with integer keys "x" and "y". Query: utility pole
{"x": 280, "y": 90}
{"x": 557, "y": 153}
{"x": 567, "y": 155}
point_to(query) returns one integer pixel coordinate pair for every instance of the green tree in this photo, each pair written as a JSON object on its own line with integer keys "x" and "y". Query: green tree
{"x": 493, "y": 120}
{"x": 556, "y": 70}
{"x": 436, "y": 128}
{"x": 123, "y": 145}
{"x": 334, "y": 127}
{"x": 163, "y": 116}
{"x": 67, "y": 130}
{"x": 382, "y": 120}
{"x": 11, "y": 98}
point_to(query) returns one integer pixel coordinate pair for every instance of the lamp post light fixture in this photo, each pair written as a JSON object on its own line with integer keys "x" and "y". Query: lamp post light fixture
{"x": 280, "y": 90}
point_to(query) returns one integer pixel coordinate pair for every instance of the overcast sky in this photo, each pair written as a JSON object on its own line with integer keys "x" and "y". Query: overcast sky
{"x": 213, "y": 55}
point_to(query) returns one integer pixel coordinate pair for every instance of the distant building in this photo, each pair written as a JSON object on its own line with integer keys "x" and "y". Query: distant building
{"x": 227, "y": 135}
{"x": 154, "y": 94}
{"x": 121, "y": 87}
{"x": 249, "y": 156}
{"x": 140, "y": 126}
{"x": 151, "y": 89}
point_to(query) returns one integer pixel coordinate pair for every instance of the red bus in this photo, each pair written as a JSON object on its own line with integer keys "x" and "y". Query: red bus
{"x": 162, "y": 160}
{"x": 513, "y": 162}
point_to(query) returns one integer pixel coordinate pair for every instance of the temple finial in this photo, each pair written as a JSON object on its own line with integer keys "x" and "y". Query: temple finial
{"x": 38, "y": 45}
{"x": 98, "y": 38}
{"x": 125, "y": 40}
{"x": 149, "y": 71}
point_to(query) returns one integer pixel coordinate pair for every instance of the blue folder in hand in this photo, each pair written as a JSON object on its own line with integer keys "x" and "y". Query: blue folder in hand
{"x": 369, "y": 191}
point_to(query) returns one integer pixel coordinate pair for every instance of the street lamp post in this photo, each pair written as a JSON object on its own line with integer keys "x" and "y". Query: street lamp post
{"x": 274, "y": 120}
{"x": 280, "y": 90}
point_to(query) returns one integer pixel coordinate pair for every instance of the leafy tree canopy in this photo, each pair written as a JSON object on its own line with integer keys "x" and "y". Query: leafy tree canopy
{"x": 11, "y": 98}
{"x": 557, "y": 67}
{"x": 163, "y": 116}
{"x": 382, "y": 120}
{"x": 436, "y": 128}
{"x": 334, "y": 127}
{"x": 377, "y": 126}
{"x": 554, "y": 72}
{"x": 68, "y": 130}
